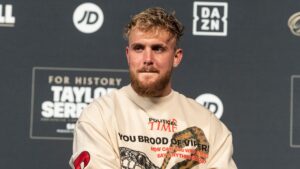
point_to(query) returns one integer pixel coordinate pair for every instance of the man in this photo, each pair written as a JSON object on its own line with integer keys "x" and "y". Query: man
{"x": 146, "y": 124}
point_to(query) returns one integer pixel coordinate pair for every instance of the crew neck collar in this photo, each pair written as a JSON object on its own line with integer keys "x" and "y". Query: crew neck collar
{"x": 147, "y": 102}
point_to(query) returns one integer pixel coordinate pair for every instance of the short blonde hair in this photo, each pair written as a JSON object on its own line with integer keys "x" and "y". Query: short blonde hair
{"x": 153, "y": 18}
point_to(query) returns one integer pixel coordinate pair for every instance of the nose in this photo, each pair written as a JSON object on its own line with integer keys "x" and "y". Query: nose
{"x": 148, "y": 57}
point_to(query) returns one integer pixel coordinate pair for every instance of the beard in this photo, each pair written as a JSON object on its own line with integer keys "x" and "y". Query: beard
{"x": 150, "y": 89}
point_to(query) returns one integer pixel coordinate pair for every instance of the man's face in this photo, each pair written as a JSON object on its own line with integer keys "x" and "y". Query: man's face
{"x": 151, "y": 56}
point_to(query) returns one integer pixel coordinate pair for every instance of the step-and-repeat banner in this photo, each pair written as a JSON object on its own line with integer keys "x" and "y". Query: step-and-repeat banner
{"x": 241, "y": 61}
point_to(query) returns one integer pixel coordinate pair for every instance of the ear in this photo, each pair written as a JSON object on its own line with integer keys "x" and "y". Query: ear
{"x": 127, "y": 56}
{"x": 178, "y": 56}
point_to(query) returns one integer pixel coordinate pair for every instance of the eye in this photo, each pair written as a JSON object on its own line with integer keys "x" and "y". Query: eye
{"x": 138, "y": 48}
{"x": 158, "y": 48}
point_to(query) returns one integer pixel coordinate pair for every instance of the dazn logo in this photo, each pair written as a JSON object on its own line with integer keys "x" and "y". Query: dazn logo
{"x": 210, "y": 18}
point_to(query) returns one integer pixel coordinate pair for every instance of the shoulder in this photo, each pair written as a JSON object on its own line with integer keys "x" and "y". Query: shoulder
{"x": 101, "y": 107}
{"x": 110, "y": 99}
{"x": 215, "y": 125}
{"x": 192, "y": 104}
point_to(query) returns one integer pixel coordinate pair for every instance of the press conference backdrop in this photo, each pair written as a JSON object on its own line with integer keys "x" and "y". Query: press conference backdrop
{"x": 241, "y": 61}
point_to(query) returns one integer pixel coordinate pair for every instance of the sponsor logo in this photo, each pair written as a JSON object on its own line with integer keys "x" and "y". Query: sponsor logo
{"x": 295, "y": 112}
{"x": 88, "y": 18}
{"x": 210, "y": 18}
{"x": 212, "y": 103}
{"x": 6, "y": 16}
{"x": 60, "y": 94}
{"x": 294, "y": 24}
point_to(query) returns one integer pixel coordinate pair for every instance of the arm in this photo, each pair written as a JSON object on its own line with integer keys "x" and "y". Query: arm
{"x": 93, "y": 147}
{"x": 221, "y": 148}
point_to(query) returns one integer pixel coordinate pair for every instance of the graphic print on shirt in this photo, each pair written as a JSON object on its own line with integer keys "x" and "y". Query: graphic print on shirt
{"x": 192, "y": 136}
{"x": 135, "y": 159}
{"x": 162, "y": 124}
{"x": 82, "y": 160}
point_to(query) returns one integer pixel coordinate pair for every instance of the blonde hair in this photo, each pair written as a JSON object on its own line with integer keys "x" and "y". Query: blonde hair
{"x": 155, "y": 18}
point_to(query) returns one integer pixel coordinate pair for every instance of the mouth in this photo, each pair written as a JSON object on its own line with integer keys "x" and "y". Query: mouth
{"x": 148, "y": 70}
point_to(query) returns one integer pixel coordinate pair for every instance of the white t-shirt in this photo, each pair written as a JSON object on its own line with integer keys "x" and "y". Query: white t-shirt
{"x": 125, "y": 130}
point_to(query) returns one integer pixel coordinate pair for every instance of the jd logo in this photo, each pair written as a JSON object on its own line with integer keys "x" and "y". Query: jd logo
{"x": 212, "y": 103}
{"x": 6, "y": 17}
{"x": 210, "y": 18}
{"x": 88, "y": 17}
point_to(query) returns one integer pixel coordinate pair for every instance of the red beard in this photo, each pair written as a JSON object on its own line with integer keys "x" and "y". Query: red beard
{"x": 154, "y": 89}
